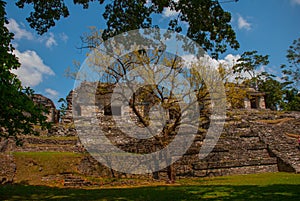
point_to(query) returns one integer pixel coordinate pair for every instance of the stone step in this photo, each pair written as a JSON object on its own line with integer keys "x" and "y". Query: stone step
{"x": 234, "y": 163}
{"x": 75, "y": 181}
{"x": 237, "y": 155}
{"x": 236, "y": 170}
{"x": 279, "y": 145}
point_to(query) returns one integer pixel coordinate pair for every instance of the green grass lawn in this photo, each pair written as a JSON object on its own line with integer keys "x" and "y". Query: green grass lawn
{"x": 269, "y": 186}
{"x": 32, "y": 166}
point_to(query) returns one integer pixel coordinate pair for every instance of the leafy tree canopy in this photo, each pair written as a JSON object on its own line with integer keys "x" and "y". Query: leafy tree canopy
{"x": 292, "y": 69}
{"x": 274, "y": 92}
{"x": 18, "y": 113}
{"x": 208, "y": 23}
{"x": 291, "y": 100}
{"x": 248, "y": 65}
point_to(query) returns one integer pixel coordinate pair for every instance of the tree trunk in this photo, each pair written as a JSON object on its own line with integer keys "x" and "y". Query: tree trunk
{"x": 171, "y": 174}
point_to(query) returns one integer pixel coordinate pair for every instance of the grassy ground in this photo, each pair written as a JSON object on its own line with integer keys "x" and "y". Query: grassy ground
{"x": 32, "y": 166}
{"x": 270, "y": 186}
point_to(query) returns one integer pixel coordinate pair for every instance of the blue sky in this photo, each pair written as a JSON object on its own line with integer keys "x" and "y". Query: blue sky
{"x": 268, "y": 26}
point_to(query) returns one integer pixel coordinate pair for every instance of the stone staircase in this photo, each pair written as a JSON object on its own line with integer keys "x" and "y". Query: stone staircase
{"x": 71, "y": 180}
{"x": 247, "y": 145}
{"x": 238, "y": 151}
{"x": 280, "y": 145}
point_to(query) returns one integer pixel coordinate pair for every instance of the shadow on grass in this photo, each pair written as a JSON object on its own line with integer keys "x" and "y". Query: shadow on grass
{"x": 215, "y": 192}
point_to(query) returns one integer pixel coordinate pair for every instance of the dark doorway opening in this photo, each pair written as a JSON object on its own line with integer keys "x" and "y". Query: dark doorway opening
{"x": 112, "y": 110}
{"x": 253, "y": 102}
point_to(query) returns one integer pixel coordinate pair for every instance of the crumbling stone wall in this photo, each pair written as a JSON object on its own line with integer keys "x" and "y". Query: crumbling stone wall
{"x": 68, "y": 117}
{"x": 53, "y": 113}
{"x": 245, "y": 146}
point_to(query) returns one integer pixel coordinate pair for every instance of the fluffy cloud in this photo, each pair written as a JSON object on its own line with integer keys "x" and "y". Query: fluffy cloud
{"x": 170, "y": 13}
{"x": 229, "y": 60}
{"x": 32, "y": 68}
{"x": 51, "y": 93}
{"x": 295, "y": 2}
{"x": 243, "y": 23}
{"x": 19, "y": 32}
{"x": 64, "y": 37}
{"x": 50, "y": 40}
{"x": 189, "y": 59}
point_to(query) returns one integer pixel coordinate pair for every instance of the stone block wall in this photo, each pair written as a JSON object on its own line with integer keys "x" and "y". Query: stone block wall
{"x": 240, "y": 150}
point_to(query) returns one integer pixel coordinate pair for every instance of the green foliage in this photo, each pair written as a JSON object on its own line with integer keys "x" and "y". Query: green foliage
{"x": 18, "y": 113}
{"x": 248, "y": 64}
{"x": 292, "y": 70}
{"x": 274, "y": 92}
{"x": 279, "y": 96}
{"x": 291, "y": 100}
{"x": 45, "y": 13}
{"x": 235, "y": 95}
{"x": 63, "y": 107}
{"x": 208, "y": 24}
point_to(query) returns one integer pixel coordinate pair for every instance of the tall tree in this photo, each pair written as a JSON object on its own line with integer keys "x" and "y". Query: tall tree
{"x": 274, "y": 93}
{"x": 248, "y": 65}
{"x": 165, "y": 88}
{"x": 291, "y": 100}
{"x": 208, "y": 24}
{"x": 292, "y": 69}
{"x": 18, "y": 113}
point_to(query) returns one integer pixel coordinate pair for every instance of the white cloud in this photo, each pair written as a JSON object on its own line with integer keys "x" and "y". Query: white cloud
{"x": 230, "y": 60}
{"x": 170, "y": 13}
{"x": 22, "y": 33}
{"x": 51, "y": 93}
{"x": 189, "y": 59}
{"x": 50, "y": 40}
{"x": 227, "y": 62}
{"x": 32, "y": 68}
{"x": 243, "y": 23}
{"x": 19, "y": 32}
{"x": 64, "y": 37}
{"x": 297, "y": 2}
{"x": 209, "y": 62}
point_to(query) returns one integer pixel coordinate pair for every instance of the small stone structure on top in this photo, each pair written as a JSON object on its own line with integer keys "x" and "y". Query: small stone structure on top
{"x": 104, "y": 107}
{"x": 255, "y": 99}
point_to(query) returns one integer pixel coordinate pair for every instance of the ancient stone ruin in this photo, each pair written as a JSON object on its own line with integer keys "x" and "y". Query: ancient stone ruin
{"x": 53, "y": 113}
{"x": 254, "y": 99}
{"x": 252, "y": 141}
